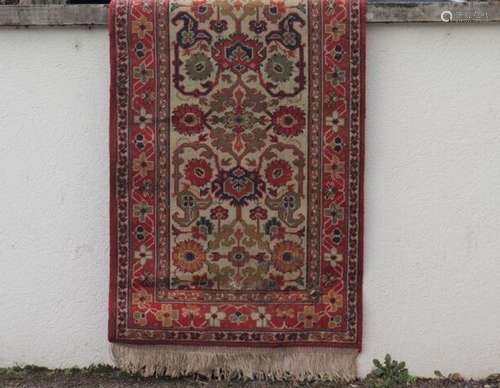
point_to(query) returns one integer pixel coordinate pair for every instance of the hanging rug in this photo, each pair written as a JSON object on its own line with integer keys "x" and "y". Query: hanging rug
{"x": 236, "y": 142}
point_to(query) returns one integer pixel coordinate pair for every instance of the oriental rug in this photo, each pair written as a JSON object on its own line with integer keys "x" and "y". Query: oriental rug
{"x": 236, "y": 143}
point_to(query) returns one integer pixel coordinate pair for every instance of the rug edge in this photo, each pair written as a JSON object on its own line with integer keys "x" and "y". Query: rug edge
{"x": 361, "y": 252}
{"x": 112, "y": 173}
{"x": 300, "y": 364}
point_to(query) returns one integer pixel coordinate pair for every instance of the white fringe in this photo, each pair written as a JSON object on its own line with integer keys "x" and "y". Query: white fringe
{"x": 245, "y": 363}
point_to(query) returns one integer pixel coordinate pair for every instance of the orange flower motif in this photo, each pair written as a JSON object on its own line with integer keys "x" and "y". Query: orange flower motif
{"x": 142, "y": 165}
{"x": 274, "y": 11}
{"x": 284, "y": 313}
{"x": 202, "y": 9}
{"x": 333, "y": 164}
{"x": 189, "y": 256}
{"x": 308, "y": 317}
{"x": 190, "y": 312}
{"x": 336, "y": 30}
{"x": 333, "y": 299}
{"x": 287, "y": 256}
{"x": 142, "y": 299}
{"x": 167, "y": 315}
{"x": 142, "y": 26}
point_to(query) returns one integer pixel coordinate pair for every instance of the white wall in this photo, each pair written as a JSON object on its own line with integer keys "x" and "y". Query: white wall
{"x": 432, "y": 265}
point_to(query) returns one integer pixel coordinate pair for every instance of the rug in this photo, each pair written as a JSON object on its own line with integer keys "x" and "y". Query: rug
{"x": 236, "y": 142}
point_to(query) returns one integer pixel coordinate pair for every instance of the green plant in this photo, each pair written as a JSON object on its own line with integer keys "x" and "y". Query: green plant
{"x": 390, "y": 374}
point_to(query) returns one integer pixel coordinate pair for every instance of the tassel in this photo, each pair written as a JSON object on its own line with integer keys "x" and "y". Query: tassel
{"x": 297, "y": 364}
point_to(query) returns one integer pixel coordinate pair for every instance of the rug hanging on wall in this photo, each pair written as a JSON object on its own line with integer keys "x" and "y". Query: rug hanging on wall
{"x": 236, "y": 187}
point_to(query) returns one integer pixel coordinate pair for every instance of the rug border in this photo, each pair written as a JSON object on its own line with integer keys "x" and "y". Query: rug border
{"x": 361, "y": 256}
{"x": 112, "y": 174}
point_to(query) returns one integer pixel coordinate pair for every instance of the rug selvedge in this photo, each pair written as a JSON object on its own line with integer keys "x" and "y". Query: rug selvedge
{"x": 236, "y": 143}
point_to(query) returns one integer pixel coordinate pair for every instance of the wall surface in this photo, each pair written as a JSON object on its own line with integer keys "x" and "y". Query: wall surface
{"x": 432, "y": 265}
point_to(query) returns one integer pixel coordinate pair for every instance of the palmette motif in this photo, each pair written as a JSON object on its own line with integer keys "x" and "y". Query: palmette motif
{"x": 236, "y": 142}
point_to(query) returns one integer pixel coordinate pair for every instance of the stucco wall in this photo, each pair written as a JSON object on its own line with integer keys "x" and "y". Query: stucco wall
{"x": 432, "y": 265}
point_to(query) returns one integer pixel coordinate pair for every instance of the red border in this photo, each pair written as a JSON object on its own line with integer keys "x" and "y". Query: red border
{"x": 113, "y": 205}
{"x": 112, "y": 174}
{"x": 361, "y": 258}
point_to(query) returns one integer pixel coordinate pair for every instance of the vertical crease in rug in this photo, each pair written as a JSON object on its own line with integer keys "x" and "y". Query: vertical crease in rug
{"x": 247, "y": 363}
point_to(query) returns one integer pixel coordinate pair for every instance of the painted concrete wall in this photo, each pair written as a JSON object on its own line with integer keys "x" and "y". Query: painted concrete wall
{"x": 432, "y": 277}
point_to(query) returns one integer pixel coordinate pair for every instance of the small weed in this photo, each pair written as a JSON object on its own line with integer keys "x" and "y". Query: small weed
{"x": 19, "y": 372}
{"x": 99, "y": 369}
{"x": 390, "y": 374}
{"x": 34, "y": 369}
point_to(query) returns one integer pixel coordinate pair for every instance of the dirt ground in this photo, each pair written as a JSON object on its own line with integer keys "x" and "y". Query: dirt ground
{"x": 34, "y": 377}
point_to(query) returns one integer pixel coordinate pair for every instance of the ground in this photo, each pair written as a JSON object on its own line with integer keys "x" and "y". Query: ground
{"x": 107, "y": 377}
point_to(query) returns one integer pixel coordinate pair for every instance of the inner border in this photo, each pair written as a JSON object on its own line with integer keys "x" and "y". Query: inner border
{"x": 310, "y": 293}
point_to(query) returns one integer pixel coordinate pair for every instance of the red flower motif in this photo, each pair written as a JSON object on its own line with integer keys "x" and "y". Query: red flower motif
{"x": 218, "y": 26}
{"x": 202, "y": 9}
{"x": 197, "y": 233}
{"x": 258, "y": 26}
{"x": 289, "y": 121}
{"x": 278, "y": 172}
{"x": 238, "y": 256}
{"x": 219, "y": 213}
{"x": 188, "y": 119}
{"x": 274, "y": 10}
{"x": 202, "y": 281}
{"x": 279, "y": 233}
{"x": 258, "y": 213}
{"x": 287, "y": 256}
{"x": 277, "y": 282}
{"x": 198, "y": 172}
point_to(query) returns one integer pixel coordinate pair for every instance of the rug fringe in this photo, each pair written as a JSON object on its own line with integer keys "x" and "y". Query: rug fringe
{"x": 245, "y": 363}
